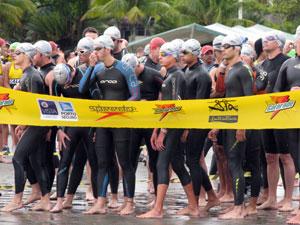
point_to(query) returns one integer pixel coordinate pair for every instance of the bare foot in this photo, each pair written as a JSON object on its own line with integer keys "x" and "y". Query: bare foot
{"x": 67, "y": 205}
{"x": 113, "y": 203}
{"x": 236, "y": 213}
{"x": 57, "y": 208}
{"x": 42, "y": 206}
{"x": 188, "y": 211}
{"x": 268, "y": 205}
{"x": 120, "y": 208}
{"x": 220, "y": 194}
{"x": 153, "y": 213}
{"x": 286, "y": 207}
{"x": 12, "y": 206}
{"x": 295, "y": 212}
{"x": 280, "y": 203}
{"x": 296, "y": 198}
{"x": 96, "y": 209}
{"x": 226, "y": 210}
{"x": 202, "y": 202}
{"x": 226, "y": 198}
{"x": 211, "y": 204}
{"x": 53, "y": 196}
{"x": 89, "y": 195}
{"x": 4, "y": 160}
{"x": 262, "y": 199}
{"x": 250, "y": 210}
{"x": 128, "y": 209}
{"x": 294, "y": 220}
{"x": 35, "y": 196}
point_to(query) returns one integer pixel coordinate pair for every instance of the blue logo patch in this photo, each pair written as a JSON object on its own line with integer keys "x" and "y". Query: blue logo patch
{"x": 48, "y": 107}
{"x": 66, "y": 106}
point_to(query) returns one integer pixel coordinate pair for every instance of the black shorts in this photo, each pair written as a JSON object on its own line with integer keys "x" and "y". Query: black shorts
{"x": 275, "y": 141}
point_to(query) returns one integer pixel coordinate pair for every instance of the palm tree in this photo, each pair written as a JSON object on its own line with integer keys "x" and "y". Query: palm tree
{"x": 12, "y": 14}
{"x": 135, "y": 11}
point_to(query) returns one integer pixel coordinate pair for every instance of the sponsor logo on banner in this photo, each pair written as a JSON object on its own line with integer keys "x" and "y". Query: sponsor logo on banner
{"x": 225, "y": 106}
{"x": 279, "y": 103}
{"x": 110, "y": 111}
{"x": 6, "y": 102}
{"x": 165, "y": 109}
{"x": 57, "y": 110}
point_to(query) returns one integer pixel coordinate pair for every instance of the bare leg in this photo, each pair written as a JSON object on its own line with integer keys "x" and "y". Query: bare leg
{"x": 35, "y": 194}
{"x": 251, "y": 208}
{"x": 273, "y": 177}
{"x": 14, "y": 204}
{"x": 192, "y": 208}
{"x": 98, "y": 208}
{"x": 157, "y": 210}
{"x": 236, "y": 213}
{"x": 289, "y": 175}
{"x": 58, "y": 206}
{"x": 44, "y": 204}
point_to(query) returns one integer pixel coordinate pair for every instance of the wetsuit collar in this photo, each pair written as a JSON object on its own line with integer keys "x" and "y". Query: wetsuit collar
{"x": 47, "y": 65}
{"x": 198, "y": 63}
{"x": 172, "y": 69}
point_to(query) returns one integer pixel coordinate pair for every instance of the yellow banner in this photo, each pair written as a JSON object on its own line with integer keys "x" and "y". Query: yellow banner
{"x": 278, "y": 110}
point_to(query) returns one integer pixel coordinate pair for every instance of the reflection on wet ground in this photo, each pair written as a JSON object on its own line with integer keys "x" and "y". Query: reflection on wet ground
{"x": 175, "y": 200}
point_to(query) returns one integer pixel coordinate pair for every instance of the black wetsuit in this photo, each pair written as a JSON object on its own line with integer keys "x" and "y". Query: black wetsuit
{"x": 120, "y": 54}
{"x": 150, "y": 82}
{"x": 274, "y": 141}
{"x": 198, "y": 86}
{"x": 118, "y": 82}
{"x": 29, "y": 149}
{"x": 149, "y": 63}
{"x": 238, "y": 82}
{"x": 173, "y": 88}
{"x": 288, "y": 77}
{"x": 79, "y": 141}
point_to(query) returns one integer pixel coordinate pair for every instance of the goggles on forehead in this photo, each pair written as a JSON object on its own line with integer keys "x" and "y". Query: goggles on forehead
{"x": 270, "y": 38}
{"x": 226, "y": 46}
{"x": 164, "y": 54}
{"x": 17, "y": 52}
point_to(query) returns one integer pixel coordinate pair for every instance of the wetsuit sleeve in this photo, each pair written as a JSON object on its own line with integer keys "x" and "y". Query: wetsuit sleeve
{"x": 246, "y": 81}
{"x": 261, "y": 79}
{"x": 203, "y": 83}
{"x": 281, "y": 79}
{"x": 158, "y": 81}
{"x": 89, "y": 78}
{"x": 132, "y": 81}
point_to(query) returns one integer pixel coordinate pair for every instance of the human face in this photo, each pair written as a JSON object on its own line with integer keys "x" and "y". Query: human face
{"x": 155, "y": 54}
{"x": 229, "y": 51}
{"x": 166, "y": 60}
{"x": 19, "y": 57}
{"x": 37, "y": 59}
{"x": 101, "y": 52}
{"x": 187, "y": 57}
{"x": 91, "y": 35}
{"x": 270, "y": 43}
{"x": 218, "y": 54}
{"x": 83, "y": 55}
{"x": 208, "y": 57}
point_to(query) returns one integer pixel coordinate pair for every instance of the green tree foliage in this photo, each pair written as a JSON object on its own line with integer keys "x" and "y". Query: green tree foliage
{"x": 12, "y": 15}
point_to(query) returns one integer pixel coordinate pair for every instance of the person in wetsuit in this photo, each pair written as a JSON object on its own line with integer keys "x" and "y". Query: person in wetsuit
{"x": 76, "y": 137}
{"x": 198, "y": 86}
{"x": 153, "y": 58}
{"x": 167, "y": 141}
{"x": 150, "y": 82}
{"x": 29, "y": 149}
{"x": 120, "y": 48}
{"x": 116, "y": 81}
{"x": 238, "y": 82}
{"x": 275, "y": 141}
{"x": 289, "y": 80}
